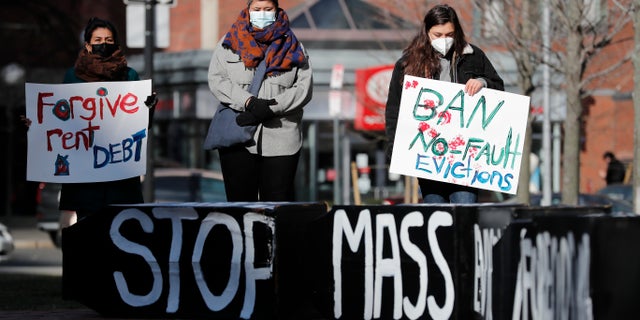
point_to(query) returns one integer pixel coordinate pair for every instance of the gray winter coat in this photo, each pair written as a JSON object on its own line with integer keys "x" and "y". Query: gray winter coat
{"x": 229, "y": 82}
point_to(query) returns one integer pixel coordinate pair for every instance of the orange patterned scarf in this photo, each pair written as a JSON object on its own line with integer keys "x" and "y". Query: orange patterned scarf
{"x": 275, "y": 43}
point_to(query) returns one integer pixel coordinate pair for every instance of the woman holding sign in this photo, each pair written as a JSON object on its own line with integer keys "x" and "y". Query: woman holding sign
{"x": 260, "y": 39}
{"x": 100, "y": 59}
{"x": 440, "y": 52}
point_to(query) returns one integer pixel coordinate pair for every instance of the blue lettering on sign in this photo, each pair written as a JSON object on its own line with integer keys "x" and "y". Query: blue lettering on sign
{"x": 464, "y": 170}
{"x": 128, "y": 149}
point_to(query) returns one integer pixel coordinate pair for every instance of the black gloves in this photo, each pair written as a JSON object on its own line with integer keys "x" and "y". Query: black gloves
{"x": 246, "y": 119}
{"x": 151, "y": 101}
{"x": 257, "y": 112}
{"x": 260, "y": 108}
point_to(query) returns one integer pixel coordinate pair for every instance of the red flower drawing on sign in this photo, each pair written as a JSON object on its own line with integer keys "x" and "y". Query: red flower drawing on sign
{"x": 423, "y": 126}
{"x": 429, "y": 103}
{"x": 456, "y": 142}
{"x": 412, "y": 84}
{"x": 473, "y": 151}
{"x": 445, "y": 116}
{"x": 102, "y": 91}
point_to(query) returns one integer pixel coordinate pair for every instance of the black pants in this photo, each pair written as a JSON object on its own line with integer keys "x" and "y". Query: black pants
{"x": 251, "y": 177}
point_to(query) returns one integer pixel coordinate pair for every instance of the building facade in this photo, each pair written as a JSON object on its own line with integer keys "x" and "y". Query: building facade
{"x": 354, "y": 34}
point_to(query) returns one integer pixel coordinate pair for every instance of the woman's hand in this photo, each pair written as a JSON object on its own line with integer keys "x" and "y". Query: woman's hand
{"x": 257, "y": 111}
{"x": 25, "y": 120}
{"x": 151, "y": 101}
{"x": 473, "y": 86}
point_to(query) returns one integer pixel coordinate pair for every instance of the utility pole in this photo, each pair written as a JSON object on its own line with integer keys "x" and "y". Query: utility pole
{"x": 12, "y": 77}
{"x": 148, "y": 186}
{"x": 546, "y": 124}
{"x": 636, "y": 108}
{"x": 335, "y": 109}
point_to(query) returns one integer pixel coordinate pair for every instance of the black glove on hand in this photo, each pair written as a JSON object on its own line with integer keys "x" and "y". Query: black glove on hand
{"x": 247, "y": 119}
{"x": 260, "y": 108}
{"x": 151, "y": 101}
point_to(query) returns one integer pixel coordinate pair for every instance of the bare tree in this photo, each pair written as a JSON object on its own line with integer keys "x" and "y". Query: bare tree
{"x": 584, "y": 28}
{"x": 636, "y": 106}
{"x": 512, "y": 24}
{"x": 581, "y": 31}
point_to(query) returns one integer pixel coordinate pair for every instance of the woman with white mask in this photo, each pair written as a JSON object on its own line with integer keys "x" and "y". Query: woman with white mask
{"x": 441, "y": 52}
{"x": 263, "y": 169}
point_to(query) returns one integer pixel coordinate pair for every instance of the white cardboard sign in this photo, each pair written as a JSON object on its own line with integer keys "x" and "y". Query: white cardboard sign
{"x": 87, "y": 132}
{"x": 444, "y": 134}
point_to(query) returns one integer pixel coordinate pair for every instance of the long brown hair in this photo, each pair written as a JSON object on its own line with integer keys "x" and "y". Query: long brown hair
{"x": 420, "y": 59}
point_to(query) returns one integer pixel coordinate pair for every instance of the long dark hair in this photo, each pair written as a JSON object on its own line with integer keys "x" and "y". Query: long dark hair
{"x": 95, "y": 23}
{"x": 420, "y": 59}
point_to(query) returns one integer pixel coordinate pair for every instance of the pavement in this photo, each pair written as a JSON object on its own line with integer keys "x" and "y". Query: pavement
{"x": 27, "y": 236}
{"x": 71, "y": 314}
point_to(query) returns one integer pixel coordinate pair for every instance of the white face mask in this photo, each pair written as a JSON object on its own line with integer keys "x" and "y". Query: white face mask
{"x": 262, "y": 19}
{"x": 442, "y": 45}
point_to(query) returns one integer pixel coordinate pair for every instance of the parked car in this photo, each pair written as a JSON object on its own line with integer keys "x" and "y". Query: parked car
{"x": 171, "y": 185}
{"x": 618, "y": 191}
{"x": 483, "y": 197}
{"x": 47, "y": 212}
{"x": 584, "y": 199}
{"x": 188, "y": 185}
{"x": 6, "y": 243}
{"x": 391, "y": 200}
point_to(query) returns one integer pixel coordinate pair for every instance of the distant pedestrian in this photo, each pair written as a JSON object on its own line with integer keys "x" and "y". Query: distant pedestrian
{"x": 616, "y": 170}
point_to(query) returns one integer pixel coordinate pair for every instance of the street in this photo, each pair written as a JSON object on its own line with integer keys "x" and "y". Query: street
{"x": 40, "y": 261}
{"x": 34, "y": 252}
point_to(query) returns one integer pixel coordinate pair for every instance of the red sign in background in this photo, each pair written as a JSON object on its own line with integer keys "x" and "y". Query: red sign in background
{"x": 372, "y": 87}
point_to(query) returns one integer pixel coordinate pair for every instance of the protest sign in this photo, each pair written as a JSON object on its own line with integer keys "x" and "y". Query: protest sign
{"x": 87, "y": 132}
{"x": 444, "y": 134}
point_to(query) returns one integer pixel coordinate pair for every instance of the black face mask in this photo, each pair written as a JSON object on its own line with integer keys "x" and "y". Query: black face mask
{"x": 104, "y": 49}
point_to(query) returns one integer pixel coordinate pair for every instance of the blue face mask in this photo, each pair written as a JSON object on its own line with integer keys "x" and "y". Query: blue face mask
{"x": 262, "y": 19}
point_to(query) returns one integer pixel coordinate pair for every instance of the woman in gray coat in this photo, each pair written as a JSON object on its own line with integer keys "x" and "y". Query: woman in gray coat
{"x": 264, "y": 169}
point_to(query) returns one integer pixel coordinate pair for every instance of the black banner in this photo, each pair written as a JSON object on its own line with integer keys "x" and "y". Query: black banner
{"x": 299, "y": 261}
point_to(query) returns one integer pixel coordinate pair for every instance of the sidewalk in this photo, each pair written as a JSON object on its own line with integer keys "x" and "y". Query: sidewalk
{"x": 25, "y": 233}
{"x": 27, "y": 236}
{"x": 71, "y": 314}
